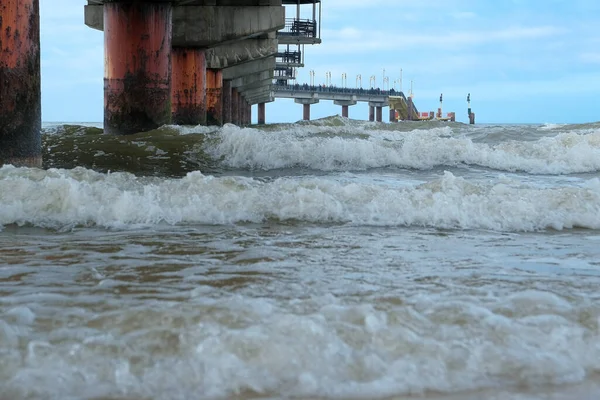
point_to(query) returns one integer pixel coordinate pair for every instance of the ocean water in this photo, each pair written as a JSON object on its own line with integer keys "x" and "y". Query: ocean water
{"x": 332, "y": 259}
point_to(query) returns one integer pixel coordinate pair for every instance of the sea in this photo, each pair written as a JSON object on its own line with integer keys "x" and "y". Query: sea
{"x": 330, "y": 259}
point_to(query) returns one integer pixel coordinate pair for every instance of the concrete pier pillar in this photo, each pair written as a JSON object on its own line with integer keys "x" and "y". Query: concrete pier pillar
{"x": 137, "y": 75}
{"x": 241, "y": 110}
{"x": 188, "y": 100}
{"x": 227, "y": 101}
{"x": 345, "y": 104}
{"x": 261, "y": 113}
{"x": 371, "y": 113}
{"x": 306, "y": 112}
{"x": 214, "y": 97}
{"x": 249, "y": 114}
{"x": 306, "y": 106}
{"x": 393, "y": 117}
{"x": 472, "y": 118}
{"x": 235, "y": 107}
{"x": 20, "y": 93}
{"x": 409, "y": 107}
{"x": 379, "y": 113}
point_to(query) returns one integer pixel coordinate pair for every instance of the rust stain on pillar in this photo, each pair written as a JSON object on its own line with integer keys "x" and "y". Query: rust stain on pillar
{"x": 227, "y": 101}
{"x": 345, "y": 111}
{"x": 188, "y": 99}
{"x": 235, "y": 107}
{"x": 371, "y": 113}
{"x": 137, "y": 66}
{"x": 20, "y": 93}
{"x": 214, "y": 97}
{"x": 261, "y": 113}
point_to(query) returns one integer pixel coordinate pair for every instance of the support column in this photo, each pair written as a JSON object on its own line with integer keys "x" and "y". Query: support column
{"x": 345, "y": 104}
{"x": 227, "y": 101}
{"x": 379, "y": 113}
{"x": 306, "y": 106}
{"x": 214, "y": 97}
{"x": 371, "y": 113}
{"x": 393, "y": 117}
{"x": 235, "y": 107}
{"x": 241, "y": 110}
{"x": 188, "y": 99}
{"x": 249, "y": 113}
{"x": 306, "y": 112}
{"x": 261, "y": 113}
{"x": 409, "y": 108}
{"x": 137, "y": 76}
{"x": 20, "y": 93}
{"x": 472, "y": 118}
{"x": 345, "y": 111}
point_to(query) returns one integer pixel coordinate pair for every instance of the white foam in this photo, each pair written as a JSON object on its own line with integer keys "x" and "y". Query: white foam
{"x": 64, "y": 198}
{"x": 247, "y": 347}
{"x": 356, "y": 147}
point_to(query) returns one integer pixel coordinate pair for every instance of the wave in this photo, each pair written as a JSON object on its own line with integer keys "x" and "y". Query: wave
{"x": 61, "y": 199}
{"x": 358, "y": 148}
{"x": 333, "y": 144}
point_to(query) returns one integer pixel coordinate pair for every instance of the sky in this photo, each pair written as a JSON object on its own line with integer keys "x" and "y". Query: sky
{"x": 522, "y": 61}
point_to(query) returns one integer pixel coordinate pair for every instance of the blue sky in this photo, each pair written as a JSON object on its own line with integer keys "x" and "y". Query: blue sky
{"x": 523, "y": 61}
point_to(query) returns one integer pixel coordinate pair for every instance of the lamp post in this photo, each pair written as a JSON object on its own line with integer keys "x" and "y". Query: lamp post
{"x": 328, "y": 78}
{"x": 373, "y": 81}
{"x": 358, "y": 81}
{"x": 344, "y": 80}
{"x": 312, "y": 77}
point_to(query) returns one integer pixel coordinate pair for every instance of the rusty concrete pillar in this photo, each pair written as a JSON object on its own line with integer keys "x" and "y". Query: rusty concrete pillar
{"x": 371, "y": 113}
{"x": 227, "y": 101}
{"x": 379, "y": 115}
{"x": 188, "y": 94}
{"x": 249, "y": 108}
{"x": 20, "y": 93}
{"x": 409, "y": 108}
{"x": 472, "y": 118}
{"x": 137, "y": 75}
{"x": 261, "y": 113}
{"x": 306, "y": 112}
{"x": 345, "y": 111}
{"x": 393, "y": 117}
{"x": 235, "y": 107}
{"x": 240, "y": 103}
{"x": 214, "y": 97}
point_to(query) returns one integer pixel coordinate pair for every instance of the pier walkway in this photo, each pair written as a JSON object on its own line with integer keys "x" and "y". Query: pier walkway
{"x": 311, "y": 94}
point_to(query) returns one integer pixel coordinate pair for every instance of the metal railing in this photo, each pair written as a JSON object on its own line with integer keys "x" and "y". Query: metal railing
{"x": 299, "y": 27}
{"x": 336, "y": 89}
{"x": 288, "y": 57}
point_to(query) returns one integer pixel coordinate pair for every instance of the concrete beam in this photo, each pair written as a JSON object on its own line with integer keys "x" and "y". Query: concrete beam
{"x": 249, "y": 68}
{"x": 209, "y": 26}
{"x": 244, "y": 51}
{"x": 253, "y": 81}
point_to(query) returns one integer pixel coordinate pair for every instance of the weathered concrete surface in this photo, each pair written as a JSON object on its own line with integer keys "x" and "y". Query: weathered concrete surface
{"x": 188, "y": 100}
{"x": 241, "y": 52}
{"x": 20, "y": 93}
{"x": 226, "y": 101}
{"x": 208, "y": 26}
{"x": 211, "y": 26}
{"x": 240, "y": 70}
{"x": 137, "y": 76}
{"x": 254, "y": 81}
{"x": 214, "y": 99}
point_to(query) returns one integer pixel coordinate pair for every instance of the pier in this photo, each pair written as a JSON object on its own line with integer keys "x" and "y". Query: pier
{"x": 306, "y": 95}
{"x": 166, "y": 62}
